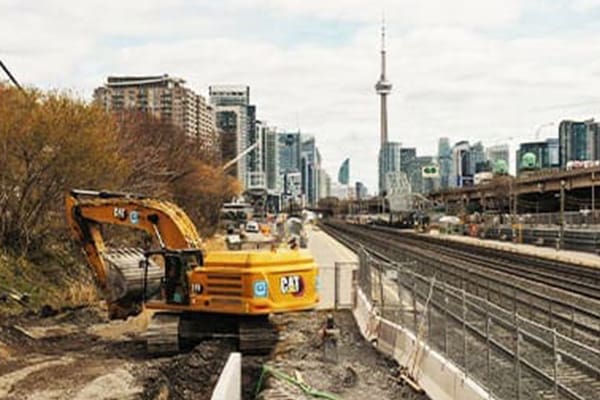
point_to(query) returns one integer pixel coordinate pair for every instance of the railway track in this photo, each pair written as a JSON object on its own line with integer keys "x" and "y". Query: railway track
{"x": 547, "y": 369}
{"x": 571, "y": 315}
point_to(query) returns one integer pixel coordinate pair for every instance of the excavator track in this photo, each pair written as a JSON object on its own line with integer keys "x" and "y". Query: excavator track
{"x": 162, "y": 336}
{"x": 257, "y": 335}
{"x": 170, "y": 333}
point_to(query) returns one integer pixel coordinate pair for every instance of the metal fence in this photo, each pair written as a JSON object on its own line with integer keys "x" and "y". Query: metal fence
{"x": 579, "y": 219}
{"x": 509, "y": 355}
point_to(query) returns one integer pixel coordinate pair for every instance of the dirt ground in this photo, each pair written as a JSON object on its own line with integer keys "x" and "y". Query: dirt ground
{"x": 360, "y": 372}
{"x": 79, "y": 354}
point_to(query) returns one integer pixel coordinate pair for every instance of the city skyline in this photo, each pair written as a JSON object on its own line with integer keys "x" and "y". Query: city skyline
{"x": 467, "y": 71}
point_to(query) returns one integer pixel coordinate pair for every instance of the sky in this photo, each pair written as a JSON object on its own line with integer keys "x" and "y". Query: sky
{"x": 489, "y": 70}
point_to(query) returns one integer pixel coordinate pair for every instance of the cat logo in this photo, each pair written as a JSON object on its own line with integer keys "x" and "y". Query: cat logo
{"x": 292, "y": 284}
{"x": 120, "y": 213}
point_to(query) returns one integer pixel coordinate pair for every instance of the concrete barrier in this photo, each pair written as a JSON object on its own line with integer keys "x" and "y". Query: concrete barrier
{"x": 337, "y": 285}
{"x": 229, "y": 385}
{"x": 439, "y": 377}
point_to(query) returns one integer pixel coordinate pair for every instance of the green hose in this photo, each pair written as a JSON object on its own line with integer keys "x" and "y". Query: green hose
{"x": 309, "y": 390}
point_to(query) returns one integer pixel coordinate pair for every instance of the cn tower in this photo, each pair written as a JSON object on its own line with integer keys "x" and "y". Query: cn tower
{"x": 383, "y": 87}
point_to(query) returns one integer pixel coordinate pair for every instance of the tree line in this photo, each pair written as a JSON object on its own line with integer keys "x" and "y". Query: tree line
{"x": 51, "y": 142}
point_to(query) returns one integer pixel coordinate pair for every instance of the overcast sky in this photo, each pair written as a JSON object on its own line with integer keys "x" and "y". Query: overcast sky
{"x": 467, "y": 69}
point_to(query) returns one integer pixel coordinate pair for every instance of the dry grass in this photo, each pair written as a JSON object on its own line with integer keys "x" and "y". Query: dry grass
{"x": 79, "y": 293}
{"x": 58, "y": 283}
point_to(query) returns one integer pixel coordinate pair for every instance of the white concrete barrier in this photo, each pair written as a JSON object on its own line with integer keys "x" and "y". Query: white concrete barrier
{"x": 229, "y": 385}
{"x": 438, "y": 376}
{"x": 337, "y": 285}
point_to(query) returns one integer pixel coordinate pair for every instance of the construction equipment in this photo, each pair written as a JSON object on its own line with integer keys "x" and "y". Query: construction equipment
{"x": 197, "y": 295}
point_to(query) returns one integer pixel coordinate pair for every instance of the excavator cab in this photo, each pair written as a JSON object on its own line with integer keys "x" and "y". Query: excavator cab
{"x": 178, "y": 266}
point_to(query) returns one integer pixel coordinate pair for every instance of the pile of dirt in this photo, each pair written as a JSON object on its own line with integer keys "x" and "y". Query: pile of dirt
{"x": 187, "y": 376}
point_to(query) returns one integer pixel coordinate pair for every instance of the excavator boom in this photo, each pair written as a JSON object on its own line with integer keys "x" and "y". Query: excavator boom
{"x": 117, "y": 271}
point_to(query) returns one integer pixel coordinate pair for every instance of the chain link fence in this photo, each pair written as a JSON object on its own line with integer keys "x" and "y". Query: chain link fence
{"x": 509, "y": 355}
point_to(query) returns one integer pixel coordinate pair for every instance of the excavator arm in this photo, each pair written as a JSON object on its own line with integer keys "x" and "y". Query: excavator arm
{"x": 117, "y": 271}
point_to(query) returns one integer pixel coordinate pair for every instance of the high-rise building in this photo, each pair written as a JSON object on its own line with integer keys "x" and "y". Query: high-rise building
{"x": 497, "y": 152}
{"x": 255, "y": 174}
{"x": 324, "y": 184}
{"x": 361, "y": 191}
{"x": 579, "y": 141}
{"x": 289, "y": 151}
{"x": 165, "y": 97}
{"x": 497, "y": 155}
{"x": 389, "y": 162}
{"x": 389, "y": 155}
{"x": 236, "y": 121}
{"x": 310, "y": 165}
{"x": 344, "y": 172}
{"x": 460, "y": 174}
{"x": 533, "y": 156}
{"x": 476, "y": 158}
{"x": 424, "y": 185}
{"x": 444, "y": 162}
{"x": 292, "y": 188}
{"x": 342, "y": 192}
{"x": 409, "y": 165}
{"x": 207, "y": 127}
{"x": 270, "y": 159}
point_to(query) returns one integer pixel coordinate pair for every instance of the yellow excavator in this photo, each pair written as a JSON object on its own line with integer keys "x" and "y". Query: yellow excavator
{"x": 196, "y": 295}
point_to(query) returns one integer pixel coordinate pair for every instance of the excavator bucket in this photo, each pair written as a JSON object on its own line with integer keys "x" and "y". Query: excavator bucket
{"x": 126, "y": 278}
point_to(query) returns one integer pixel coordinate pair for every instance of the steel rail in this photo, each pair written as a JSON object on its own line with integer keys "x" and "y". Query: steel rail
{"x": 433, "y": 259}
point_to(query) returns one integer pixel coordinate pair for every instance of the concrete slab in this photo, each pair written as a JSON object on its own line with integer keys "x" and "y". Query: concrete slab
{"x": 229, "y": 385}
{"x": 327, "y": 253}
{"x": 574, "y": 257}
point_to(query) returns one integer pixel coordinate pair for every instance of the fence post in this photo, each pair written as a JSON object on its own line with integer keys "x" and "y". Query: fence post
{"x": 573, "y": 322}
{"x": 464, "y": 329}
{"x": 555, "y": 362}
{"x": 489, "y": 351}
{"x": 517, "y": 357}
{"x": 445, "y": 319}
{"x": 381, "y": 297}
{"x": 414, "y": 301}
{"x": 515, "y": 305}
{"x": 550, "y": 315}
{"x": 429, "y": 336}
{"x": 336, "y": 287}
{"x": 399, "y": 280}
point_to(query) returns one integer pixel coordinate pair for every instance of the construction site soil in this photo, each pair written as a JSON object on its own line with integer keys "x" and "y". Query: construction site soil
{"x": 79, "y": 354}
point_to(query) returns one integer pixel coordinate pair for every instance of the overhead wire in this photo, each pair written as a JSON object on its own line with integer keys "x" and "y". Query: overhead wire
{"x": 11, "y": 76}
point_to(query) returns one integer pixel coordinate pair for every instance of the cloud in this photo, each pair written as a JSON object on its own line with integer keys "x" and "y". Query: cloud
{"x": 464, "y": 69}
